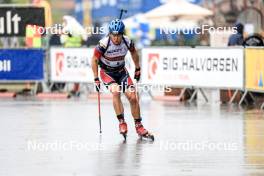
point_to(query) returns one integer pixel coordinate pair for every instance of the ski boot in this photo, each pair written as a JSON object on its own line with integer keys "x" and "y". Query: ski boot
{"x": 123, "y": 129}
{"x": 142, "y": 132}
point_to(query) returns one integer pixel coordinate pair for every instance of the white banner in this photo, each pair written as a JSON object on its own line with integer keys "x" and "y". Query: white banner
{"x": 74, "y": 64}
{"x": 199, "y": 67}
{"x": 71, "y": 64}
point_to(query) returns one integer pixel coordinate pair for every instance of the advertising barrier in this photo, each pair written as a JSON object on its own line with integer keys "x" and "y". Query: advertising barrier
{"x": 74, "y": 65}
{"x": 254, "y": 58}
{"x": 71, "y": 65}
{"x": 21, "y": 64}
{"x": 14, "y": 19}
{"x": 199, "y": 67}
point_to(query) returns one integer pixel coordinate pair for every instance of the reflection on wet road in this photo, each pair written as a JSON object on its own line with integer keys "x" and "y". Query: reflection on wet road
{"x": 62, "y": 138}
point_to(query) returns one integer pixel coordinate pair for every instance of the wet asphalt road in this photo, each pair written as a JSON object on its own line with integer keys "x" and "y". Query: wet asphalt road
{"x": 61, "y": 138}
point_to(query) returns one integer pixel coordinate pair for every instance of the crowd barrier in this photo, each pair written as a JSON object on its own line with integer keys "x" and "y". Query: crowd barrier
{"x": 21, "y": 66}
{"x": 236, "y": 68}
{"x": 73, "y": 65}
{"x": 197, "y": 68}
{"x": 254, "y": 71}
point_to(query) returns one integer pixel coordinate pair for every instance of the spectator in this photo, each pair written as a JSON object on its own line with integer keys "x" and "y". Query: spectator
{"x": 76, "y": 34}
{"x": 237, "y": 39}
{"x": 54, "y": 40}
{"x": 75, "y": 37}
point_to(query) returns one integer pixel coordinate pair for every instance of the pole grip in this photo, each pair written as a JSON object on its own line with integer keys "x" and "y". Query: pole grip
{"x": 121, "y": 13}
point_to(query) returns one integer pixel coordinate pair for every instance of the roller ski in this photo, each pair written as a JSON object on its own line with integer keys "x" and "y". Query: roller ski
{"x": 123, "y": 129}
{"x": 143, "y": 133}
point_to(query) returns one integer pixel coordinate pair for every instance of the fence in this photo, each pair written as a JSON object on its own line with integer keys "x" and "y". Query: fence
{"x": 21, "y": 66}
{"x": 241, "y": 69}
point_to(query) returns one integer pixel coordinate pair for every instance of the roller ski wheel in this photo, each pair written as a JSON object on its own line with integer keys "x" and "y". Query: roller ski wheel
{"x": 125, "y": 136}
{"x": 147, "y": 136}
{"x": 123, "y": 129}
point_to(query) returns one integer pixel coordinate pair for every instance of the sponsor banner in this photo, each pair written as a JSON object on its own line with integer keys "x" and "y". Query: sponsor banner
{"x": 254, "y": 68}
{"x": 200, "y": 67}
{"x": 71, "y": 64}
{"x": 13, "y": 20}
{"x": 21, "y": 64}
{"x": 74, "y": 65}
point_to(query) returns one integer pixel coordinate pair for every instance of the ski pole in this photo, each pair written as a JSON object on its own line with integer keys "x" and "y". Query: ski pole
{"x": 99, "y": 110}
{"x": 121, "y": 13}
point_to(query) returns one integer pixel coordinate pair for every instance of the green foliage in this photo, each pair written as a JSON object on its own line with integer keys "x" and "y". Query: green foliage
{"x": 5, "y": 1}
{"x": 15, "y": 1}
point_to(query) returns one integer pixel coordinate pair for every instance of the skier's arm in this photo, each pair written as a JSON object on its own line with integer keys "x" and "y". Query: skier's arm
{"x": 95, "y": 66}
{"x": 95, "y": 59}
{"x": 135, "y": 58}
{"x": 134, "y": 53}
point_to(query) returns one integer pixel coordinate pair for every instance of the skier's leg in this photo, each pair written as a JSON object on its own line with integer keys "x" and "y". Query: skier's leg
{"x": 118, "y": 106}
{"x": 134, "y": 105}
{"x": 114, "y": 88}
{"x": 135, "y": 111}
{"x": 116, "y": 94}
{"x": 112, "y": 85}
{"x": 130, "y": 92}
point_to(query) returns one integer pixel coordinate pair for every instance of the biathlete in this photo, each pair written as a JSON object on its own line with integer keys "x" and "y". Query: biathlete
{"x": 109, "y": 55}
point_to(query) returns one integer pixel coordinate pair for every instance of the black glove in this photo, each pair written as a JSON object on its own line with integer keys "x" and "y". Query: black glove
{"x": 97, "y": 84}
{"x": 137, "y": 74}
